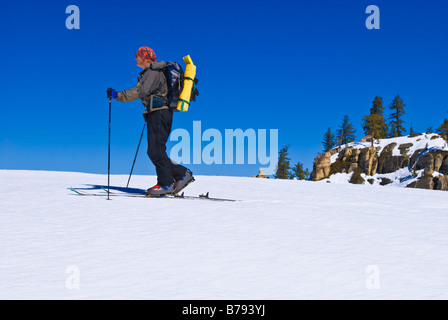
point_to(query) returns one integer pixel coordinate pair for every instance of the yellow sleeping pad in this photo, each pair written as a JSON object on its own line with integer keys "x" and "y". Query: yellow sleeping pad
{"x": 189, "y": 74}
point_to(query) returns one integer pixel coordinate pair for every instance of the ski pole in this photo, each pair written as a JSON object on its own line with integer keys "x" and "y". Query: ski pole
{"x": 136, "y": 153}
{"x": 108, "y": 155}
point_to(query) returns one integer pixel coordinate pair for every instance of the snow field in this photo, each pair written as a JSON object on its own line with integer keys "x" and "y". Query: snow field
{"x": 284, "y": 240}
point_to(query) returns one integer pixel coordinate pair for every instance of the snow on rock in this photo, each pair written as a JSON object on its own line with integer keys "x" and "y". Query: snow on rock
{"x": 420, "y": 141}
{"x": 409, "y": 161}
{"x": 283, "y": 240}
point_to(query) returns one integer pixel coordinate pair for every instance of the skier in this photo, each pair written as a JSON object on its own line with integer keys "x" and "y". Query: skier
{"x": 152, "y": 89}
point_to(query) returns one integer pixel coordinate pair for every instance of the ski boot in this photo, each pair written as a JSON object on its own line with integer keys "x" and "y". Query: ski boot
{"x": 159, "y": 191}
{"x": 183, "y": 182}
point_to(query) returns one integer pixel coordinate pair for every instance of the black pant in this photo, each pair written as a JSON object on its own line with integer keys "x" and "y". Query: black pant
{"x": 159, "y": 129}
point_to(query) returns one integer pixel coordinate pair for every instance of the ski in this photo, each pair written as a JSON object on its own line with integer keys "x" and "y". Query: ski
{"x": 79, "y": 193}
{"x": 182, "y": 195}
{"x": 139, "y": 195}
{"x": 204, "y": 197}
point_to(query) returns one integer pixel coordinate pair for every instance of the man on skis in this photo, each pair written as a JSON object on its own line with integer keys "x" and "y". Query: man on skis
{"x": 152, "y": 90}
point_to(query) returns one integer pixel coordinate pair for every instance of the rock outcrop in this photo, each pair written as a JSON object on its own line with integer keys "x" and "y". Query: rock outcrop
{"x": 261, "y": 175}
{"x": 321, "y": 168}
{"x": 424, "y": 156}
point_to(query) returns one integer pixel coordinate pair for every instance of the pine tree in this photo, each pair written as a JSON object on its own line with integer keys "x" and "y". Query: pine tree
{"x": 329, "y": 140}
{"x": 396, "y": 121}
{"x": 283, "y": 170}
{"x": 411, "y": 131}
{"x": 377, "y": 106}
{"x": 429, "y": 130}
{"x": 379, "y": 125}
{"x": 346, "y": 133}
{"x": 372, "y": 123}
{"x": 443, "y": 130}
{"x": 300, "y": 173}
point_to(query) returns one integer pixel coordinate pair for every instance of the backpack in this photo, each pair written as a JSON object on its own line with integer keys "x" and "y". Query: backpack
{"x": 175, "y": 79}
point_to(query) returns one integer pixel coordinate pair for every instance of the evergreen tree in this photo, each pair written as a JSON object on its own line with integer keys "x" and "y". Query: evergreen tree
{"x": 329, "y": 140}
{"x": 377, "y": 106}
{"x": 372, "y": 123}
{"x": 346, "y": 133}
{"x": 396, "y": 121}
{"x": 411, "y": 131}
{"x": 443, "y": 130}
{"x": 283, "y": 170}
{"x": 300, "y": 173}
{"x": 429, "y": 130}
{"x": 377, "y": 123}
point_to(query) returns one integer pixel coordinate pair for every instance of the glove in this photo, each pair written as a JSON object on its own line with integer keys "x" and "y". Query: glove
{"x": 111, "y": 93}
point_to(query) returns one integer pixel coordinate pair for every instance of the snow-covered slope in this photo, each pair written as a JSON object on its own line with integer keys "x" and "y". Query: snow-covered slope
{"x": 284, "y": 240}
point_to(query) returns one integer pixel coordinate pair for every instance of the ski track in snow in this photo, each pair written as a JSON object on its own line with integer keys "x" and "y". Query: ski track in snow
{"x": 285, "y": 240}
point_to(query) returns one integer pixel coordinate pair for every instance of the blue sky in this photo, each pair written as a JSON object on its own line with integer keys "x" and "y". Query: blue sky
{"x": 296, "y": 66}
